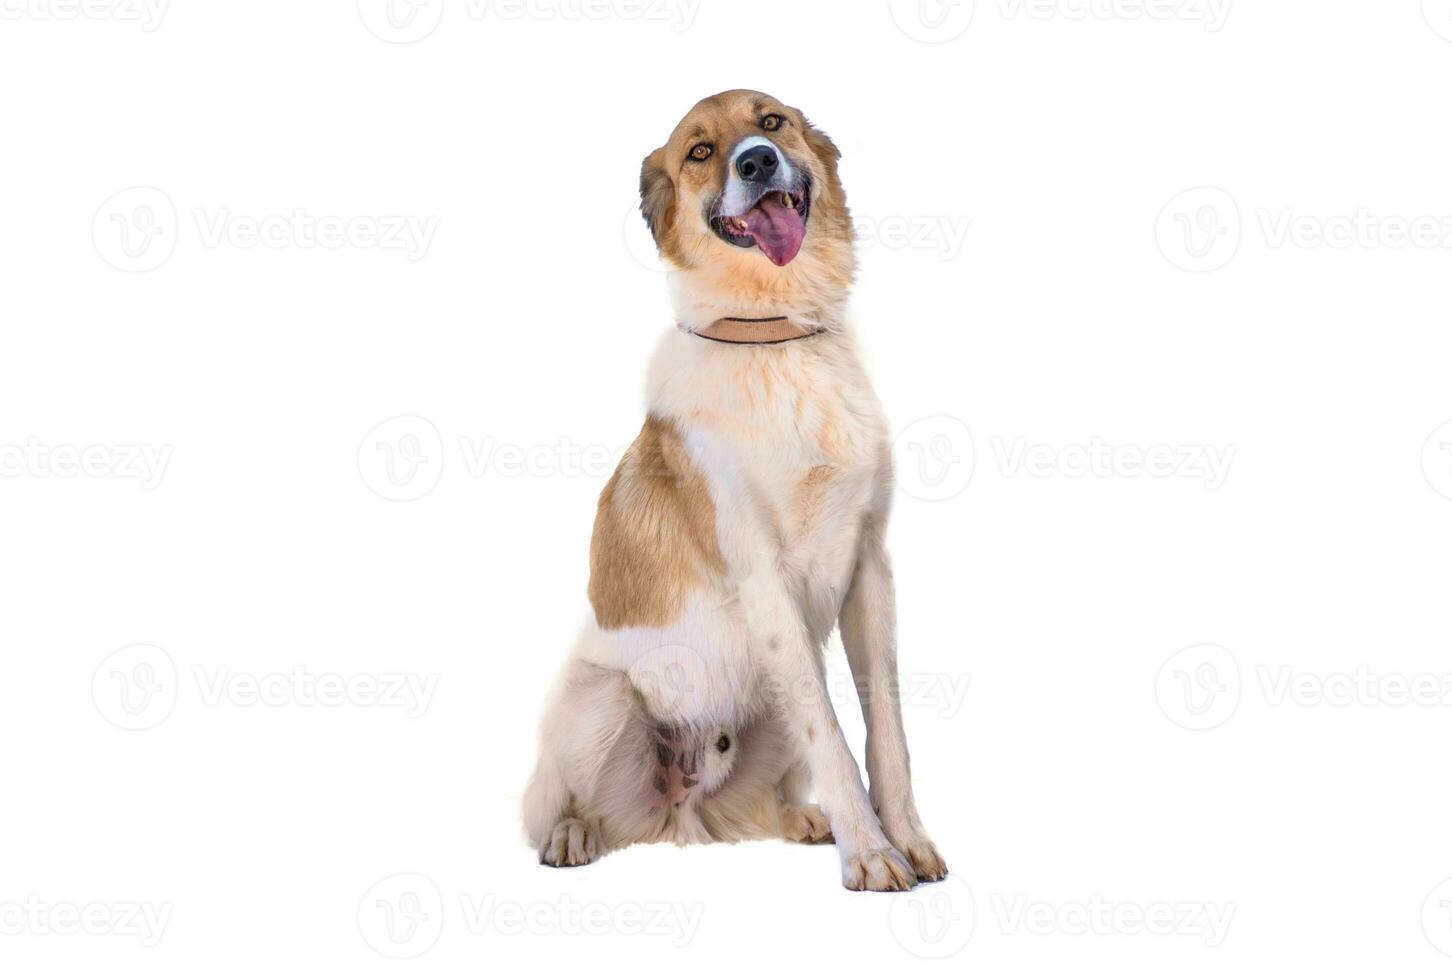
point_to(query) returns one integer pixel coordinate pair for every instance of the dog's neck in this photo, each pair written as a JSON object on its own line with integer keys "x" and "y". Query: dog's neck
{"x": 748, "y": 309}
{"x": 755, "y": 330}
{"x": 757, "y": 324}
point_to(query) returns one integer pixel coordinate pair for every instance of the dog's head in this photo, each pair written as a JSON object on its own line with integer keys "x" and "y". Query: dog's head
{"x": 745, "y": 191}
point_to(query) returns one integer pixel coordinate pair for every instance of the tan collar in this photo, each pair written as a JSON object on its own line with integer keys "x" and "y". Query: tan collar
{"x": 754, "y": 330}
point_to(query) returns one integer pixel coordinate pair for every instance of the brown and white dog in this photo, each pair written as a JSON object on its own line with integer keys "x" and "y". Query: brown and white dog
{"x": 745, "y": 522}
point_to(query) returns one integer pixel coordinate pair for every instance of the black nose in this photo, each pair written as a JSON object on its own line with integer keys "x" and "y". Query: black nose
{"x": 757, "y": 163}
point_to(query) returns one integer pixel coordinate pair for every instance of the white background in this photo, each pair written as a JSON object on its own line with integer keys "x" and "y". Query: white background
{"x": 1061, "y": 752}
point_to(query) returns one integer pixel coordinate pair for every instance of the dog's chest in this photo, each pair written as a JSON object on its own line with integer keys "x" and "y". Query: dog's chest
{"x": 794, "y": 447}
{"x": 814, "y": 460}
{"x": 820, "y": 515}
{"x": 810, "y": 446}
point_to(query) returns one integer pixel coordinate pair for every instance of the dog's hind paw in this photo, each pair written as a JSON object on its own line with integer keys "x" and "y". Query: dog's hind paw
{"x": 805, "y": 823}
{"x": 573, "y": 842}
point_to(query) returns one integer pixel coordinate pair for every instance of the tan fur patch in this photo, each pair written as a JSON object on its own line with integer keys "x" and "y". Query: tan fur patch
{"x": 809, "y": 495}
{"x": 655, "y": 533}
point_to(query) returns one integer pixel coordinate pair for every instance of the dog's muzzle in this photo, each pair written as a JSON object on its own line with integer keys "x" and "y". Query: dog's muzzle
{"x": 766, "y": 201}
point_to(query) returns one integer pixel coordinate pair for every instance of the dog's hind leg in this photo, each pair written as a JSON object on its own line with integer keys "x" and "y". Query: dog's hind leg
{"x": 588, "y": 710}
{"x": 562, "y": 838}
{"x": 801, "y": 820}
{"x": 805, "y": 823}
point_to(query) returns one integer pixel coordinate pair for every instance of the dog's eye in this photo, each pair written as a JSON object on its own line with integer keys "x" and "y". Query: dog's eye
{"x": 723, "y": 744}
{"x": 771, "y": 122}
{"x": 701, "y": 151}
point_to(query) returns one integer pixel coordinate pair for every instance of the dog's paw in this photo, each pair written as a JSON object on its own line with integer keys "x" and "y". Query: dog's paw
{"x": 924, "y": 857}
{"x": 573, "y": 842}
{"x": 880, "y": 870}
{"x": 805, "y": 823}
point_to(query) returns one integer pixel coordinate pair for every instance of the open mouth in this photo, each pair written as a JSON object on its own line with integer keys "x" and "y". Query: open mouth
{"x": 776, "y": 224}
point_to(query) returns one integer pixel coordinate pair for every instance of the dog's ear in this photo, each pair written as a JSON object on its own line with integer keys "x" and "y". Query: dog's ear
{"x": 821, "y": 145}
{"x": 657, "y": 194}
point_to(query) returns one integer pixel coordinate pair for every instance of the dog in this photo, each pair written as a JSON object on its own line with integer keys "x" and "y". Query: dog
{"x": 745, "y": 522}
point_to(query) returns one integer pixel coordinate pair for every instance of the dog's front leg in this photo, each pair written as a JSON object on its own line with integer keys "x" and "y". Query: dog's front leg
{"x": 869, "y": 634}
{"x": 869, "y": 860}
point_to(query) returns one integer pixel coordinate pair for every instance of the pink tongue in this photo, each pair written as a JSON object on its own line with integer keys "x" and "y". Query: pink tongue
{"x": 778, "y": 229}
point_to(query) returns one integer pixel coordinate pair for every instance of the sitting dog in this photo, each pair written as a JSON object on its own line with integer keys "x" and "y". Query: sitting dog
{"x": 745, "y": 522}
